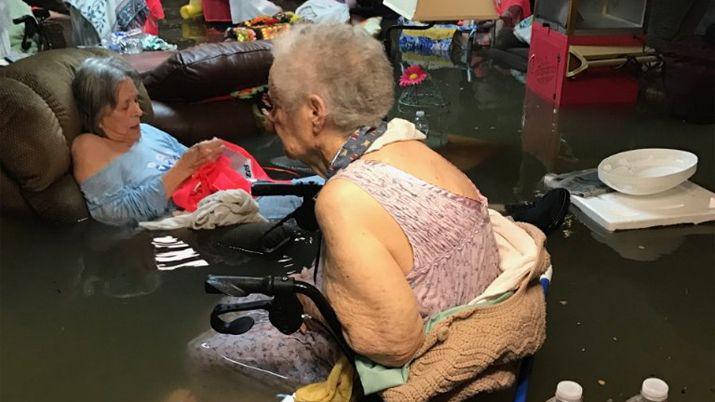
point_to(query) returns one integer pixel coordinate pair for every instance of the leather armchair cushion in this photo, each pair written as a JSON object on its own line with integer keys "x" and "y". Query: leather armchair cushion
{"x": 35, "y": 154}
{"x": 194, "y": 122}
{"x": 210, "y": 70}
{"x": 32, "y": 147}
{"x": 11, "y": 198}
{"x": 145, "y": 62}
{"x": 62, "y": 201}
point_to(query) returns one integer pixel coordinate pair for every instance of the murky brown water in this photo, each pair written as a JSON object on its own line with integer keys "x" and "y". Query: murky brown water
{"x": 85, "y": 316}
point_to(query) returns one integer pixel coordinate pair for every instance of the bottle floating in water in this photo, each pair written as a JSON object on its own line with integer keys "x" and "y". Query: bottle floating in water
{"x": 567, "y": 391}
{"x": 652, "y": 390}
{"x": 434, "y": 139}
{"x": 421, "y": 122}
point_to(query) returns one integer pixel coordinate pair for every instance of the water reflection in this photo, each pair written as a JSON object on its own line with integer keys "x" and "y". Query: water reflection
{"x": 106, "y": 269}
{"x": 136, "y": 276}
{"x": 644, "y": 244}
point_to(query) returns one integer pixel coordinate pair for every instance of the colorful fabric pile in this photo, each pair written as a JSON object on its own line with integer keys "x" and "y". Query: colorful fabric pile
{"x": 153, "y": 43}
{"x": 435, "y": 41}
{"x": 250, "y": 93}
{"x": 262, "y": 27}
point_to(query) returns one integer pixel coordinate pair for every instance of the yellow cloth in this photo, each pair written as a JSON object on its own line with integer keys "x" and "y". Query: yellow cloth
{"x": 434, "y": 33}
{"x": 337, "y": 388}
{"x": 191, "y": 10}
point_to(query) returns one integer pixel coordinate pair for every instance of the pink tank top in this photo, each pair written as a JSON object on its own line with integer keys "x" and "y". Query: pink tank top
{"x": 455, "y": 253}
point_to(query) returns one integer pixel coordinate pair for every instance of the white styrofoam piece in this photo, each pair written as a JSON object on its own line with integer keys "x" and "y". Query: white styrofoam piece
{"x": 405, "y": 8}
{"x": 687, "y": 203}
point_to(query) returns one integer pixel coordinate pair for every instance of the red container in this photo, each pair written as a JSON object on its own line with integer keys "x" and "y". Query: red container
{"x": 548, "y": 61}
{"x": 216, "y": 10}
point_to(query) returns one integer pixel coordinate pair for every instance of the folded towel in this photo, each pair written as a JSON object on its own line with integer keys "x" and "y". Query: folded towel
{"x": 222, "y": 208}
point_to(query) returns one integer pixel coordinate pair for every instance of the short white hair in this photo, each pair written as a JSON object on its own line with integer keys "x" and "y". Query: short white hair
{"x": 343, "y": 64}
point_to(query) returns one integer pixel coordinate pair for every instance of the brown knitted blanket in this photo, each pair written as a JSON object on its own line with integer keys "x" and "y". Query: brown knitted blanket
{"x": 479, "y": 350}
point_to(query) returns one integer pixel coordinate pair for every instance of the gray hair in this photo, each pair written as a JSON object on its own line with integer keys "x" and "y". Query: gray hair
{"x": 95, "y": 88}
{"x": 342, "y": 64}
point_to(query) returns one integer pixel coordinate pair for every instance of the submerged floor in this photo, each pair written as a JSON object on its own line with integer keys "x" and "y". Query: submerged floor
{"x": 85, "y": 315}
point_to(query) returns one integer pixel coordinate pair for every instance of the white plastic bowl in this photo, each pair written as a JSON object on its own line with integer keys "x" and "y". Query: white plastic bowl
{"x": 647, "y": 171}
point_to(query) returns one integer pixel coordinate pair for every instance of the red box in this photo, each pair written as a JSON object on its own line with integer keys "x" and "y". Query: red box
{"x": 216, "y": 10}
{"x": 548, "y": 61}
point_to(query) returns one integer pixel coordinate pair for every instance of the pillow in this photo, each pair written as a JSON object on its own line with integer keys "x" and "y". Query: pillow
{"x": 209, "y": 70}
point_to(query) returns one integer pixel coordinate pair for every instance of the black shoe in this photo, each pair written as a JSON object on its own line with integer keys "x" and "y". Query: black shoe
{"x": 546, "y": 213}
{"x": 265, "y": 238}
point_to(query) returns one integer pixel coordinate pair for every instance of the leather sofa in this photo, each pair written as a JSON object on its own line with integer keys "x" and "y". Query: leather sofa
{"x": 185, "y": 93}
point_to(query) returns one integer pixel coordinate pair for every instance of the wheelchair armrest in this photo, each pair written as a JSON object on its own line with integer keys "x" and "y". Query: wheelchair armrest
{"x": 306, "y": 190}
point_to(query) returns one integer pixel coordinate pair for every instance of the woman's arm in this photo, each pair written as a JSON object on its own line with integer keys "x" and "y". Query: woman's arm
{"x": 111, "y": 201}
{"x": 129, "y": 205}
{"x": 364, "y": 283}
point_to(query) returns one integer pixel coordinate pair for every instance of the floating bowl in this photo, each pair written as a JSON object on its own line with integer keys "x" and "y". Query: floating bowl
{"x": 647, "y": 171}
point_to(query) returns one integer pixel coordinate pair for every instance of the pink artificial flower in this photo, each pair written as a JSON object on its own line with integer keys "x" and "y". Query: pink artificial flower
{"x": 412, "y": 75}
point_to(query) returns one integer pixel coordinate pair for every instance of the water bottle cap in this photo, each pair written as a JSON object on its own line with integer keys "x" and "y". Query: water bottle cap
{"x": 420, "y": 113}
{"x": 569, "y": 391}
{"x": 654, "y": 389}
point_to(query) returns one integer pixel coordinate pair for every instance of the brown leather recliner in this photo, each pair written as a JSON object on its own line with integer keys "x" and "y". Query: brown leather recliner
{"x": 39, "y": 119}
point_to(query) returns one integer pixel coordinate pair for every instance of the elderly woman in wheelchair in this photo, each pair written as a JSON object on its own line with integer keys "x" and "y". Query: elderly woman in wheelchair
{"x": 412, "y": 259}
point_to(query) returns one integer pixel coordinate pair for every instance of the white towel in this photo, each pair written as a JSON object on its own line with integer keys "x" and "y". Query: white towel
{"x": 222, "y": 208}
{"x": 517, "y": 252}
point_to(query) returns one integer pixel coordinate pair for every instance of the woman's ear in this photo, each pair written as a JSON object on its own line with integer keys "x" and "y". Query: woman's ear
{"x": 318, "y": 112}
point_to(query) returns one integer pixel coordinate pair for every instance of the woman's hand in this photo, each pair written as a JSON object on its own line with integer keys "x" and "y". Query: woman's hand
{"x": 199, "y": 154}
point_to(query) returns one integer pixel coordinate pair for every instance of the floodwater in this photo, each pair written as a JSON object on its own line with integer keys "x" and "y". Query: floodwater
{"x": 86, "y": 316}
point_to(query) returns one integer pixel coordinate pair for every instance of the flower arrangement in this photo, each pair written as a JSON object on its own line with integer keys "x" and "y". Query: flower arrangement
{"x": 419, "y": 91}
{"x": 260, "y": 21}
{"x": 288, "y": 17}
{"x": 262, "y": 27}
{"x": 412, "y": 75}
{"x": 250, "y": 93}
{"x": 244, "y": 34}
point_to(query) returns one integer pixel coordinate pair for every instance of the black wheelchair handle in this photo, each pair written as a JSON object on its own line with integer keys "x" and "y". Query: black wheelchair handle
{"x": 305, "y": 190}
{"x": 241, "y": 286}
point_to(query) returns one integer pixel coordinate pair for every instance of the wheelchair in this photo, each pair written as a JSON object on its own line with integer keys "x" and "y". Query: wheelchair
{"x": 285, "y": 310}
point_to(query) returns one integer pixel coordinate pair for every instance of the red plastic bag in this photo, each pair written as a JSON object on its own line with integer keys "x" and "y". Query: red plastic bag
{"x": 234, "y": 169}
{"x": 156, "y": 13}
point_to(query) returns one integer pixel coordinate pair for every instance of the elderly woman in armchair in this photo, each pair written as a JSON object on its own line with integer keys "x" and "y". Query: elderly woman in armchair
{"x": 127, "y": 170}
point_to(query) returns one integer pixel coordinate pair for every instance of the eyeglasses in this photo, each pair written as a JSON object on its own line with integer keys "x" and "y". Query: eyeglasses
{"x": 267, "y": 108}
{"x": 266, "y": 102}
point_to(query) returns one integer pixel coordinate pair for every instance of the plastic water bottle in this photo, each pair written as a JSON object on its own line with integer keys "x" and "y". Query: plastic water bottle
{"x": 567, "y": 391}
{"x": 421, "y": 122}
{"x": 652, "y": 390}
{"x": 434, "y": 140}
